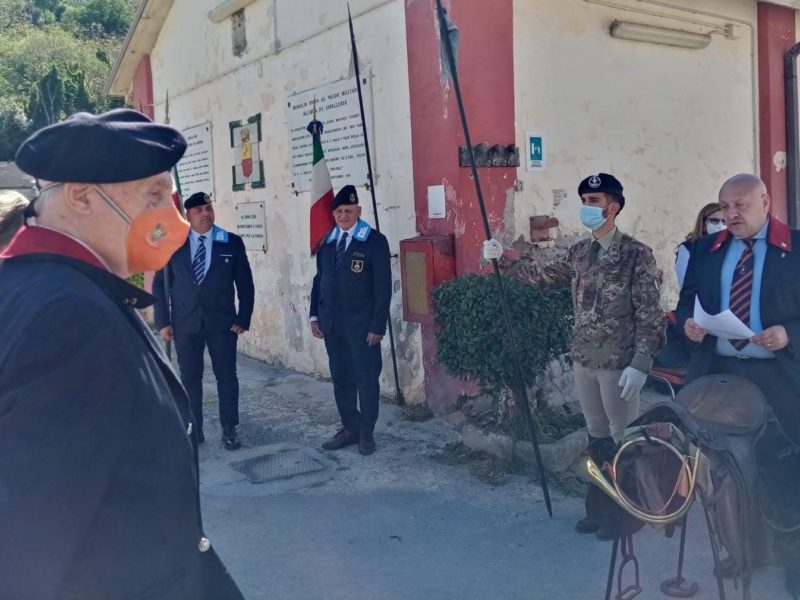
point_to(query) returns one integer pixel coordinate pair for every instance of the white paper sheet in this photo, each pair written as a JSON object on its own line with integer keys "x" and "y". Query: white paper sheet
{"x": 725, "y": 325}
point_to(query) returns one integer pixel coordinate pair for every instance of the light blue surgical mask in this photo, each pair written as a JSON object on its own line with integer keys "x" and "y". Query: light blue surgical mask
{"x": 592, "y": 217}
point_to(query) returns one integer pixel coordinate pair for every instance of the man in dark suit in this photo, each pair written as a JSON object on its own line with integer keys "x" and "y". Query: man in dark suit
{"x": 349, "y": 309}
{"x": 98, "y": 466}
{"x": 752, "y": 269}
{"x": 205, "y": 274}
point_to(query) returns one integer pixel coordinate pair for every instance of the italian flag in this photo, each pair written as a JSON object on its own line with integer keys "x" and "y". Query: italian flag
{"x": 321, "y": 219}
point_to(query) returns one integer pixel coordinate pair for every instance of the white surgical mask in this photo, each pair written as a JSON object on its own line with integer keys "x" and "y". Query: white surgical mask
{"x": 712, "y": 228}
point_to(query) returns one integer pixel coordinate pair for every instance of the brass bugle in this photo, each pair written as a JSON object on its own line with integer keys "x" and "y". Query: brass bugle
{"x": 594, "y": 474}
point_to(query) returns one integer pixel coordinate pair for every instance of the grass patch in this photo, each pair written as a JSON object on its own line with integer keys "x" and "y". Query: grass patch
{"x": 504, "y": 416}
{"x": 417, "y": 413}
{"x": 483, "y": 466}
{"x": 495, "y": 471}
{"x": 552, "y": 423}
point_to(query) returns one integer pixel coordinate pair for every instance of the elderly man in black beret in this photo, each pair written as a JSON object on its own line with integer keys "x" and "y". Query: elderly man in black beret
{"x": 98, "y": 464}
{"x": 208, "y": 271}
{"x": 349, "y": 309}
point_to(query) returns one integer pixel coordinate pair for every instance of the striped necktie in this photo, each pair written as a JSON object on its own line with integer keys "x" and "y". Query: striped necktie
{"x": 742, "y": 289}
{"x": 199, "y": 261}
{"x": 341, "y": 248}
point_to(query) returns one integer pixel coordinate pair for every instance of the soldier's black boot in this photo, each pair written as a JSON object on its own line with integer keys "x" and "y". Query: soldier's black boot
{"x": 587, "y": 524}
{"x": 601, "y": 450}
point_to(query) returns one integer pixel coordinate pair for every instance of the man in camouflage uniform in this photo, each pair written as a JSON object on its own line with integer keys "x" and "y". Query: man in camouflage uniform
{"x": 619, "y": 324}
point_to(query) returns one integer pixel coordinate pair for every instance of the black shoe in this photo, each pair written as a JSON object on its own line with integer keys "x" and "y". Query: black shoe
{"x": 586, "y": 525}
{"x": 366, "y": 443}
{"x": 604, "y": 535}
{"x": 340, "y": 440}
{"x": 201, "y": 438}
{"x": 230, "y": 439}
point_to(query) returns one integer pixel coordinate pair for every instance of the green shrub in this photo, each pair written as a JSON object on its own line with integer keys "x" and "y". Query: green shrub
{"x": 471, "y": 331}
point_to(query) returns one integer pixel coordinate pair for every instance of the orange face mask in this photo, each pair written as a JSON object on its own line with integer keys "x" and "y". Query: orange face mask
{"x": 153, "y": 237}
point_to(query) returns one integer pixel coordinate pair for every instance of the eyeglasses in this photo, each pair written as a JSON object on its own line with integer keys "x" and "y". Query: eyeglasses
{"x": 715, "y": 221}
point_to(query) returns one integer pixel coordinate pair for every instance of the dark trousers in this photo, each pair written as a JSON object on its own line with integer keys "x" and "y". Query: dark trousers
{"x": 222, "y": 348}
{"x": 778, "y": 389}
{"x": 355, "y": 368}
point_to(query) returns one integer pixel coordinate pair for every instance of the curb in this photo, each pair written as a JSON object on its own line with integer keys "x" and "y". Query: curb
{"x": 557, "y": 456}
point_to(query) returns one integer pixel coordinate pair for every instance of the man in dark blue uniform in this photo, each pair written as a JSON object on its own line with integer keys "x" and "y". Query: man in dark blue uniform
{"x": 205, "y": 275}
{"x": 349, "y": 309}
{"x": 752, "y": 270}
{"x": 98, "y": 467}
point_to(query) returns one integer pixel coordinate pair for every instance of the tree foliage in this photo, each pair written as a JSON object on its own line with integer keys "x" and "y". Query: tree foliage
{"x": 54, "y": 60}
{"x": 96, "y": 18}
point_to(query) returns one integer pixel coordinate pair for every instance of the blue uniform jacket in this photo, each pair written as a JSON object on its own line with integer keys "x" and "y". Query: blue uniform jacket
{"x": 211, "y": 305}
{"x": 357, "y": 296}
{"x": 780, "y": 293}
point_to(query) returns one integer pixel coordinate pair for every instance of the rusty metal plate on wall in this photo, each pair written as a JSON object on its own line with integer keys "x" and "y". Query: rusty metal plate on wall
{"x": 417, "y": 282}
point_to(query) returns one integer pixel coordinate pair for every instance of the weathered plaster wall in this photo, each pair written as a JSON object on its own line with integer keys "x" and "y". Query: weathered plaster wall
{"x": 486, "y": 73}
{"x": 671, "y": 123}
{"x": 292, "y": 47}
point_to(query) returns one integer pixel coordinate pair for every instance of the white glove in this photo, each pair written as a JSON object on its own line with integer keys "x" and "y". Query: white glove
{"x": 632, "y": 382}
{"x": 492, "y": 250}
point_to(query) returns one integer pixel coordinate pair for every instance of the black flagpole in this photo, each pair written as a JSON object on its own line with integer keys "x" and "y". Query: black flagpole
{"x": 398, "y": 391}
{"x": 526, "y": 407}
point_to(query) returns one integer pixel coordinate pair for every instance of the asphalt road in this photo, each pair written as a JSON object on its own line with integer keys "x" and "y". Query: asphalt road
{"x": 402, "y": 524}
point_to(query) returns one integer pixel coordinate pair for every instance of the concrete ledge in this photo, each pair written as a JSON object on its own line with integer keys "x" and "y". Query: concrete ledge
{"x": 557, "y": 456}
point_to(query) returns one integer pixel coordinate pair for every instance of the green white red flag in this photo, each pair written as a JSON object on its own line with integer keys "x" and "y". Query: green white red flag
{"x": 321, "y": 218}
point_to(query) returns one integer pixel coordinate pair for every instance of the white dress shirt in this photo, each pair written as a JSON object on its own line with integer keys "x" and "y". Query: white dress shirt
{"x": 194, "y": 240}
{"x": 349, "y": 233}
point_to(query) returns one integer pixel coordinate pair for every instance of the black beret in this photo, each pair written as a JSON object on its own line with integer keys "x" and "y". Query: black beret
{"x": 197, "y": 199}
{"x": 116, "y": 146}
{"x": 602, "y": 183}
{"x": 347, "y": 195}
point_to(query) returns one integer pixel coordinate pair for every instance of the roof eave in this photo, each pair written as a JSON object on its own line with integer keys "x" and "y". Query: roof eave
{"x": 139, "y": 42}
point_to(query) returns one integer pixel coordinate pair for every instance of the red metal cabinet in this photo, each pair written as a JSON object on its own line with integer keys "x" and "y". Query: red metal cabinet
{"x": 425, "y": 262}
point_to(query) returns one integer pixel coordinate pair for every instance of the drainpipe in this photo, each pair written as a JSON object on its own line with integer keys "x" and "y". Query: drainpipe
{"x": 792, "y": 134}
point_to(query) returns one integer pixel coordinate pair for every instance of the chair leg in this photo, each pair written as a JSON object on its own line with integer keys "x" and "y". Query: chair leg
{"x": 631, "y": 591}
{"x": 666, "y": 382}
{"x": 715, "y": 552}
{"x": 677, "y": 586}
{"x": 610, "y": 581}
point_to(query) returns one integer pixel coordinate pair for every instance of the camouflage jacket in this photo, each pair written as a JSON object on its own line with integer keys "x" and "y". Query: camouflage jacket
{"x": 618, "y": 318}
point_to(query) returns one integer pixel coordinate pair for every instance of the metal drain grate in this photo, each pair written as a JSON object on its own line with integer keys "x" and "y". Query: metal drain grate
{"x": 280, "y": 465}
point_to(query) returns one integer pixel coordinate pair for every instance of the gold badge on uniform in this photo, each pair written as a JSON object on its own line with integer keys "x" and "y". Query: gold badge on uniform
{"x": 357, "y": 266}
